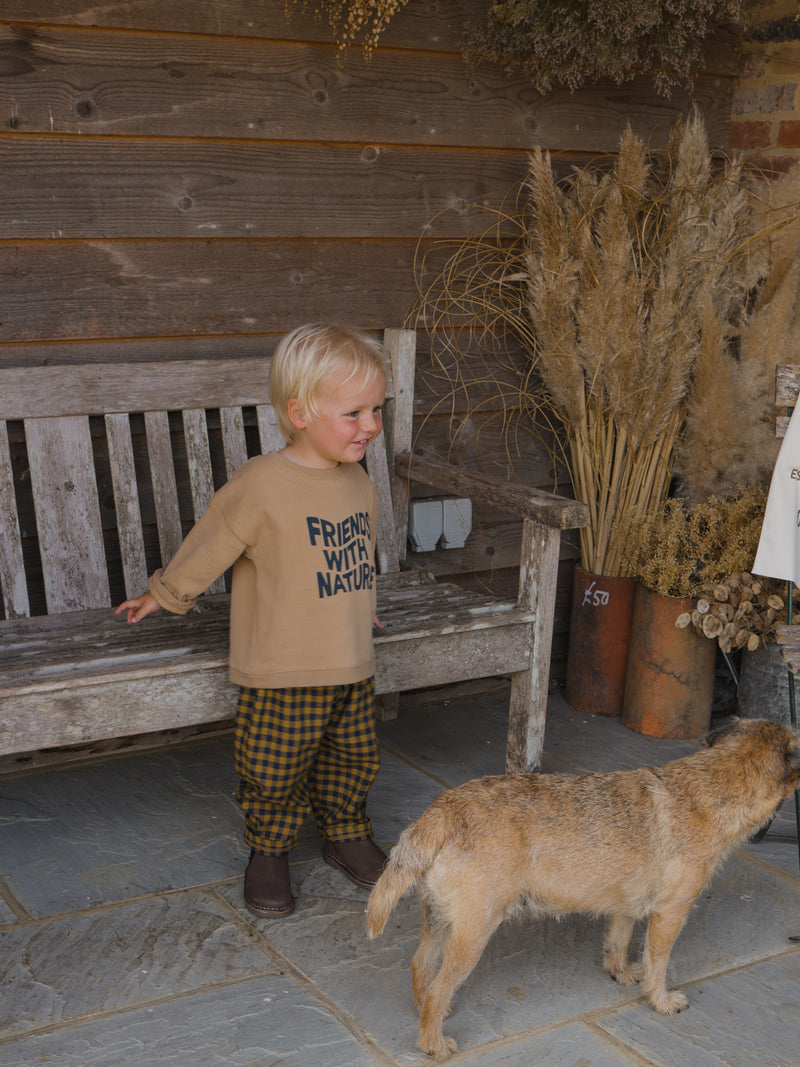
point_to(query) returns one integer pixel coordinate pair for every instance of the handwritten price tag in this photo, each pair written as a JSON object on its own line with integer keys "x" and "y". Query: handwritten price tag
{"x": 595, "y": 597}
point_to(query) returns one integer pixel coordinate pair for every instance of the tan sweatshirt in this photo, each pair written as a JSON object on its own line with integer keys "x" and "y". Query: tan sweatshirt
{"x": 302, "y": 544}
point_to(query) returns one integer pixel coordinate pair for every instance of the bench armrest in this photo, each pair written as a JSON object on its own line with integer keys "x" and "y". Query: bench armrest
{"x": 546, "y": 508}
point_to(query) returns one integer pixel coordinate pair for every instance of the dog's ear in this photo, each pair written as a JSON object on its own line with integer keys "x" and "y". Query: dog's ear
{"x": 722, "y": 731}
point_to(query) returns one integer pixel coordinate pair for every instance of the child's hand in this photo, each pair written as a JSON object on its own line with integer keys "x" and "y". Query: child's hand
{"x": 140, "y": 606}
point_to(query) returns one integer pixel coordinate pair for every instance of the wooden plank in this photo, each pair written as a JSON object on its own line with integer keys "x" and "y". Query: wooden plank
{"x": 386, "y": 538}
{"x": 270, "y": 437}
{"x": 12, "y": 569}
{"x": 201, "y": 475}
{"x": 96, "y": 187}
{"x": 162, "y": 475}
{"x": 135, "y": 350}
{"x": 787, "y": 384}
{"x": 126, "y": 503}
{"x": 75, "y": 81}
{"x": 144, "y": 289}
{"x": 436, "y": 26}
{"x": 234, "y": 445}
{"x": 67, "y": 513}
{"x": 547, "y": 508}
{"x": 401, "y": 346}
{"x": 104, "y": 388}
{"x": 529, "y": 688}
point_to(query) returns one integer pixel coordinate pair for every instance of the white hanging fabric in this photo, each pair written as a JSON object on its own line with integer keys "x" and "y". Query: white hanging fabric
{"x": 778, "y": 554}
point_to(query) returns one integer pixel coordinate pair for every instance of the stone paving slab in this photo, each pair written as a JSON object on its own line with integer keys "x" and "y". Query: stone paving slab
{"x": 740, "y": 1019}
{"x": 533, "y": 973}
{"x": 134, "y": 825}
{"x": 6, "y": 913}
{"x": 262, "y": 1022}
{"x": 573, "y": 1045}
{"x": 465, "y": 738}
{"x": 99, "y": 833}
{"x": 110, "y": 959}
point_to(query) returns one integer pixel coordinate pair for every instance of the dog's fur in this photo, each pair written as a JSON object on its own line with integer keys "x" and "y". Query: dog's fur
{"x": 628, "y": 845}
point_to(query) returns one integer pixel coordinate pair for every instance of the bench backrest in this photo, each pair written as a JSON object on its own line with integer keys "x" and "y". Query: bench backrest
{"x": 103, "y": 468}
{"x": 787, "y": 386}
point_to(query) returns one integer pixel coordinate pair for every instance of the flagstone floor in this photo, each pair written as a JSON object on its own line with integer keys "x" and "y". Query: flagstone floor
{"x": 124, "y": 940}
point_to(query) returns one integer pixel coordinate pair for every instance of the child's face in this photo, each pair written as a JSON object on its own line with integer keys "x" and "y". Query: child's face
{"x": 348, "y": 418}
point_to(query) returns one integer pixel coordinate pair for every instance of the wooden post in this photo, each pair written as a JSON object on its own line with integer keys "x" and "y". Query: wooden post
{"x": 537, "y": 591}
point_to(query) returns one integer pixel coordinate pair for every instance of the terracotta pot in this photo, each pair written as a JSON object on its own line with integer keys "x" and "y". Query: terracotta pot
{"x": 600, "y": 627}
{"x": 670, "y": 678}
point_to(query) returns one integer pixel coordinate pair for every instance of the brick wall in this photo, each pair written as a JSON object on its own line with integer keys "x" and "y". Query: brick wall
{"x": 765, "y": 119}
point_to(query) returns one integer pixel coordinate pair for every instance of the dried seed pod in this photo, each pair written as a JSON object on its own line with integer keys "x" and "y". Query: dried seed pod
{"x": 712, "y": 626}
{"x": 721, "y": 593}
{"x": 684, "y": 620}
{"x": 753, "y": 642}
{"x": 757, "y": 587}
{"x": 725, "y": 611}
{"x": 725, "y": 643}
{"x": 775, "y": 602}
{"x": 697, "y": 619}
{"x": 741, "y": 638}
{"x": 745, "y": 578}
{"x": 734, "y": 582}
{"x": 746, "y": 594}
{"x": 703, "y": 606}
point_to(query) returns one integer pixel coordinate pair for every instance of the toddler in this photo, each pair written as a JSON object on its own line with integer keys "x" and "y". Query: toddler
{"x": 298, "y": 527}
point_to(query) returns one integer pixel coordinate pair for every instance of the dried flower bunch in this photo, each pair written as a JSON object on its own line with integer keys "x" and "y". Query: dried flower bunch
{"x": 354, "y": 21}
{"x": 740, "y": 612}
{"x": 571, "y": 42}
{"x": 646, "y": 299}
{"x": 684, "y": 550}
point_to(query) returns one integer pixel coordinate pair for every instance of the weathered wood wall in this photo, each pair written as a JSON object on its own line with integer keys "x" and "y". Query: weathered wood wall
{"x": 192, "y": 177}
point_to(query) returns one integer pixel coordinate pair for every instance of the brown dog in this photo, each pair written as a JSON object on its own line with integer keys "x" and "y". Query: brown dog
{"x": 629, "y": 845}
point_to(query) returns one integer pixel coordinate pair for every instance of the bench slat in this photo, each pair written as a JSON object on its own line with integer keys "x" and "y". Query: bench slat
{"x": 126, "y": 503}
{"x": 201, "y": 476}
{"x": 401, "y": 348}
{"x": 44, "y": 654}
{"x": 165, "y": 490}
{"x": 67, "y": 513}
{"x": 378, "y": 470}
{"x": 268, "y": 432}
{"x": 12, "y": 569}
{"x": 234, "y": 445}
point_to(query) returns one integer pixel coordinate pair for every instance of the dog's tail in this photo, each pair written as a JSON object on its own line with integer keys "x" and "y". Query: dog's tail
{"x": 411, "y": 857}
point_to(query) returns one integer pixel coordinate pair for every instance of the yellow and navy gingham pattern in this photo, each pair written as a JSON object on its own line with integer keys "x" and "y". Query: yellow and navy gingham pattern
{"x": 305, "y": 749}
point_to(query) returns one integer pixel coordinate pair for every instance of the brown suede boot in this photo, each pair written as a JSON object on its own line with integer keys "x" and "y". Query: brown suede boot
{"x": 360, "y": 861}
{"x": 267, "y": 891}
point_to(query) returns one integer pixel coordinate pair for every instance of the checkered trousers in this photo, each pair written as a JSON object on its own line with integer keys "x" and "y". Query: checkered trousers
{"x": 305, "y": 749}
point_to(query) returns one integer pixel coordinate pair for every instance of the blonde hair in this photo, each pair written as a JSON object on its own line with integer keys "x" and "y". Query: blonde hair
{"x": 310, "y": 354}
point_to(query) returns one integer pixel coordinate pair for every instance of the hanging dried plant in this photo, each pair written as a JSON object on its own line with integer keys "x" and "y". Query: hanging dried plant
{"x": 572, "y": 42}
{"x": 563, "y": 42}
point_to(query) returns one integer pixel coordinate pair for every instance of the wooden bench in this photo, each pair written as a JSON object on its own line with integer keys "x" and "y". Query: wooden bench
{"x": 103, "y": 468}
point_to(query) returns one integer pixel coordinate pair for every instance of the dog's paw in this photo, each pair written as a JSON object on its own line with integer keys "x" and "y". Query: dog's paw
{"x": 630, "y": 974}
{"x": 441, "y": 1049}
{"x": 669, "y": 1003}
